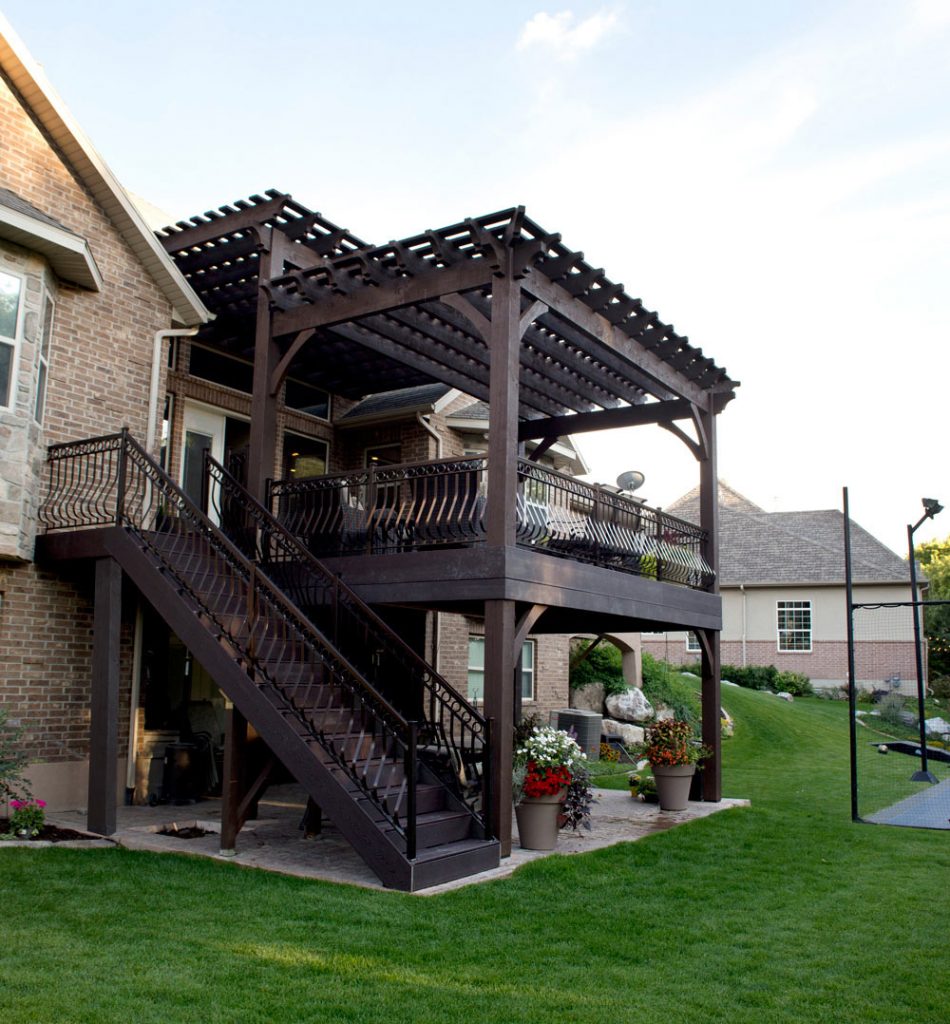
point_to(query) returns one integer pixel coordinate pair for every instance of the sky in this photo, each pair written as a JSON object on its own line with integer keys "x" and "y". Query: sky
{"x": 772, "y": 178}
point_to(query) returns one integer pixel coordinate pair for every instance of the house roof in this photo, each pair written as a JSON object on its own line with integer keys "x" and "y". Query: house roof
{"x": 48, "y": 109}
{"x": 68, "y": 253}
{"x": 394, "y": 404}
{"x": 789, "y": 548}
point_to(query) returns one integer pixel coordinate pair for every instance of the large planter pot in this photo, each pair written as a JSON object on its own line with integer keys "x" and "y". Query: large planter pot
{"x": 672, "y": 785}
{"x": 537, "y": 818}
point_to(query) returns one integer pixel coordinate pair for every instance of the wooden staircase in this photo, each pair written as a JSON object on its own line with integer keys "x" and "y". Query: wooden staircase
{"x": 407, "y": 792}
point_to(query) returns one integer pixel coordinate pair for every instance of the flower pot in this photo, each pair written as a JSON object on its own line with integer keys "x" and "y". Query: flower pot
{"x": 672, "y": 785}
{"x": 538, "y": 821}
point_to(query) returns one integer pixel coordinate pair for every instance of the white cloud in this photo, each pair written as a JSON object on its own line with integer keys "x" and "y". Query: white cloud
{"x": 565, "y": 37}
{"x": 930, "y": 14}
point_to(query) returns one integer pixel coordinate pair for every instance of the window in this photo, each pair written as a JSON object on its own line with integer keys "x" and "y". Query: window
{"x": 794, "y": 625}
{"x": 10, "y": 288}
{"x": 306, "y": 398}
{"x": 692, "y": 643}
{"x": 304, "y": 457}
{"x": 219, "y": 368}
{"x": 476, "y": 668}
{"x": 46, "y": 334}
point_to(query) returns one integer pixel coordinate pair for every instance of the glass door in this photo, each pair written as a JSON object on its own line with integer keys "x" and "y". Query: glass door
{"x": 204, "y": 429}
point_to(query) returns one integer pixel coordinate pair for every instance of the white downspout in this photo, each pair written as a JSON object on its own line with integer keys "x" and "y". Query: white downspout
{"x": 158, "y": 348}
{"x": 432, "y": 432}
{"x": 157, "y": 352}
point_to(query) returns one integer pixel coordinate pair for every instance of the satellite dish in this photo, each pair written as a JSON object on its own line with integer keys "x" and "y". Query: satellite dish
{"x": 630, "y": 480}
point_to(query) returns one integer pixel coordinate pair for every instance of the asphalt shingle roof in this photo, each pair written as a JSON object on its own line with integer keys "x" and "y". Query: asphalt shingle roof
{"x": 13, "y": 202}
{"x": 397, "y": 402}
{"x": 757, "y": 547}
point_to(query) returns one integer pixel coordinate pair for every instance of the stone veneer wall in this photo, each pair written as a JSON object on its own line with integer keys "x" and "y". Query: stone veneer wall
{"x": 98, "y": 381}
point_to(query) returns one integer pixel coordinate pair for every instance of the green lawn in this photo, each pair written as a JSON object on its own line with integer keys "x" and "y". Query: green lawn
{"x": 782, "y": 912}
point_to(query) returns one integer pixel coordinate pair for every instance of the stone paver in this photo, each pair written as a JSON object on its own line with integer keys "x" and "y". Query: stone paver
{"x": 275, "y": 843}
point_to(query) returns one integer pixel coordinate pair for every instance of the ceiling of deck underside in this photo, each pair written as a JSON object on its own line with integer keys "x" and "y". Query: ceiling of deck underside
{"x": 564, "y": 367}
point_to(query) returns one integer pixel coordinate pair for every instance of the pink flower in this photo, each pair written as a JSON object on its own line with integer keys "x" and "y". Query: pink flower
{"x": 40, "y": 803}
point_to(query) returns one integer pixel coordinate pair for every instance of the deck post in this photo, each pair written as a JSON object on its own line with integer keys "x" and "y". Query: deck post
{"x": 504, "y": 345}
{"x": 263, "y": 443}
{"x": 499, "y": 705}
{"x": 104, "y": 704}
{"x": 232, "y": 781}
{"x": 711, "y": 684}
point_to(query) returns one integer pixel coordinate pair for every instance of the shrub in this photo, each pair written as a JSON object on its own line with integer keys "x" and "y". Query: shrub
{"x": 795, "y": 683}
{"x": 662, "y": 684}
{"x": 940, "y": 687}
{"x": 891, "y": 709}
{"x": 602, "y": 665}
{"x": 12, "y": 761}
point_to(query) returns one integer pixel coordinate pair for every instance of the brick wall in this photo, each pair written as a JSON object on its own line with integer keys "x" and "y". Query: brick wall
{"x": 99, "y": 370}
{"x": 551, "y": 669}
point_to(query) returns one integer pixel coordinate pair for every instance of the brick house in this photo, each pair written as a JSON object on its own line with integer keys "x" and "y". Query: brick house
{"x": 305, "y": 504}
{"x": 84, "y": 289}
{"x": 784, "y": 599}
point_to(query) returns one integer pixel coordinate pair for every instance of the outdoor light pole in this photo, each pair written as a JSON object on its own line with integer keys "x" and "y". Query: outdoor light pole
{"x": 931, "y": 508}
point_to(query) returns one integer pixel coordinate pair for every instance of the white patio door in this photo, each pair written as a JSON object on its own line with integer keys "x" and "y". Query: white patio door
{"x": 204, "y": 428}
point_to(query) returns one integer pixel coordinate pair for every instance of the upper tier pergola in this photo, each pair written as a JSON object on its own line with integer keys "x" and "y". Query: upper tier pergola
{"x": 354, "y": 318}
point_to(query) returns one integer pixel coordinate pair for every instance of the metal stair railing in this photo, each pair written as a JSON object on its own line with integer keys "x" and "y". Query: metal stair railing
{"x": 113, "y": 481}
{"x": 448, "y": 723}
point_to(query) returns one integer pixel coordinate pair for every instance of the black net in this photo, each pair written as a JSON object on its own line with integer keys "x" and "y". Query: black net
{"x": 899, "y": 780}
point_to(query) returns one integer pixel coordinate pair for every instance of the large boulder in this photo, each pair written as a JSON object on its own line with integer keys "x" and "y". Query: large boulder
{"x": 629, "y": 735}
{"x": 589, "y": 698}
{"x": 629, "y": 706}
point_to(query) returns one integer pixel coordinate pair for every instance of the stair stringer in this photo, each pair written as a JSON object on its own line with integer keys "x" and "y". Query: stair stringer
{"x": 352, "y": 815}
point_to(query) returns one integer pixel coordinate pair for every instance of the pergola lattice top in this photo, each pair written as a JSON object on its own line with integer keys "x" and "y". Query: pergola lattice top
{"x": 394, "y": 315}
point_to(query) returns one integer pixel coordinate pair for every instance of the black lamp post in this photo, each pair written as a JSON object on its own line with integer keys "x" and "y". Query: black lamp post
{"x": 932, "y": 507}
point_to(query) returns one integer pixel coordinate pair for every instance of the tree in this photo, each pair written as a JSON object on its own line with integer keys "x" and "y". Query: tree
{"x": 934, "y": 559}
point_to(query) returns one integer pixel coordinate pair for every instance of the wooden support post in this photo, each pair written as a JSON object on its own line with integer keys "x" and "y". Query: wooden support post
{"x": 104, "y": 704}
{"x": 232, "y": 781}
{"x": 263, "y": 443}
{"x": 711, "y": 684}
{"x": 499, "y": 680}
{"x": 504, "y": 345}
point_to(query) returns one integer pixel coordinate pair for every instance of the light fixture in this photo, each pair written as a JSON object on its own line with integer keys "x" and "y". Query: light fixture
{"x": 931, "y": 506}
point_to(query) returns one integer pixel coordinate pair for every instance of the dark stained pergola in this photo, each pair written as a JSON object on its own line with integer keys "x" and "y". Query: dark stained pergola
{"x": 494, "y": 306}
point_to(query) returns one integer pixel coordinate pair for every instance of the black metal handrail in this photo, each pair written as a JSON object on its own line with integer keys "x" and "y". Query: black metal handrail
{"x": 590, "y": 523}
{"x": 448, "y": 723}
{"x": 412, "y": 506}
{"x": 112, "y": 480}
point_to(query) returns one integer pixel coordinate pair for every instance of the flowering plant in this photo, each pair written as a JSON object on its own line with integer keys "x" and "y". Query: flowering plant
{"x": 545, "y": 762}
{"x": 671, "y": 743}
{"x": 27, "y": 816}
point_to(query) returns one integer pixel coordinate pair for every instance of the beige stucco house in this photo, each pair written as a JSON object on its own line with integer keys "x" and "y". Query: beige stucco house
{"x": 784, "y": 600}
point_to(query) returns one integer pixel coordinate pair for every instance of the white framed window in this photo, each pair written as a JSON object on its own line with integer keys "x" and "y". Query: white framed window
{"x": 476, "y": 668}
{"x": 793, "y": 623}
{"x": 11, "y": 293}
{"x": 692, "y": 643}
{"x": 46, "y": 335}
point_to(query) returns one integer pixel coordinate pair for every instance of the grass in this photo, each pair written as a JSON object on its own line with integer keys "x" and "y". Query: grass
{"x": 781, "y": 912}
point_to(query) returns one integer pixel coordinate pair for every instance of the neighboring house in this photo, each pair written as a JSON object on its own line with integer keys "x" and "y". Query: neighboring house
{"x": 784, "y": 598}
{"x": 384, "y": 576}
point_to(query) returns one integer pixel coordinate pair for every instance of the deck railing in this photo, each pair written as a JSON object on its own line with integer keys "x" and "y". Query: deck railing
{"x": 431, "y": 505}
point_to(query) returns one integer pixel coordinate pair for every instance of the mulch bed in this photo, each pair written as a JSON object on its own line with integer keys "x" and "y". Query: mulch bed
{"x": 50, "y": 833}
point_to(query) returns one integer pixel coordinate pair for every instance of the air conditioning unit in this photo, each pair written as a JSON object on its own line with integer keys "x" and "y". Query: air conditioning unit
{"x": 587, "y": 727}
